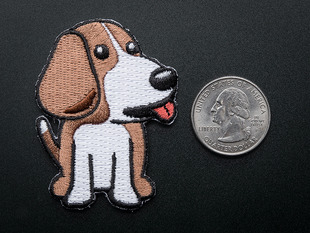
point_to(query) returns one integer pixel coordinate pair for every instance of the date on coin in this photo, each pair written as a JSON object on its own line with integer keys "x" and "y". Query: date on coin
{"x": 231, "y": 115}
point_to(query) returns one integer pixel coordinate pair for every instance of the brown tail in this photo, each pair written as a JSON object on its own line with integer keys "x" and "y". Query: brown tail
{"x": 47, "y": 137}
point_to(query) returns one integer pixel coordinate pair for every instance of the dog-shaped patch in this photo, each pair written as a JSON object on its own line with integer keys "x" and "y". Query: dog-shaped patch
{"x": 102, "y": 89}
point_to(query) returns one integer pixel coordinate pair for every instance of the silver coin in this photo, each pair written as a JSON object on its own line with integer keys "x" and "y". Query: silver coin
{"x": 231, "y": 115}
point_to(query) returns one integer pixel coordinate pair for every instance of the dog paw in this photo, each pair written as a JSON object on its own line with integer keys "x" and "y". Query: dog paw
{"x": 124, "y": 198}
{"x": 78, "y": 198}
{"x": 144, "y": 187}
{"x": 60, "y": 186}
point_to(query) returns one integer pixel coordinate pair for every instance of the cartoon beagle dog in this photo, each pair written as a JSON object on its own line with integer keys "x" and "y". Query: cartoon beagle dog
{"x": 102, "y": 89}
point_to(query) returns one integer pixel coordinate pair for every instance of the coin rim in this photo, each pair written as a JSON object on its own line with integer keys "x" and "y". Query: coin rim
{"x": 231, "y": 153}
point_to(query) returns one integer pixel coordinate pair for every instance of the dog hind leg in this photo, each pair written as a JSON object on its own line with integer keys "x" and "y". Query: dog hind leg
{"x": 61, "y": 182}
{"x": 61, "y": 156}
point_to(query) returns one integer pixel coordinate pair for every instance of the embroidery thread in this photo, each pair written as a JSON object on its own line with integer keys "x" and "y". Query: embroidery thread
{"x": 102, "y": 89}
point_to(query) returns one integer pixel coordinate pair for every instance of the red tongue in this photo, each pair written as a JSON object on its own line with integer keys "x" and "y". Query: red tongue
{"x": 166, "y": 111}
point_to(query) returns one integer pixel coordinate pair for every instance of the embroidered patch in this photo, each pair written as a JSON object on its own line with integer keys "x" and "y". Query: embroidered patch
{"x": 102, "y": 89}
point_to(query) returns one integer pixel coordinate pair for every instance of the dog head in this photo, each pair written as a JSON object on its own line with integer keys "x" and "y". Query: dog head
{"x": 98, "y": 66}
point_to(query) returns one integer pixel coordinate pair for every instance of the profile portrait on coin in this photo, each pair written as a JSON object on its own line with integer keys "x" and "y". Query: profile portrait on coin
{"x": 230, "y": 112}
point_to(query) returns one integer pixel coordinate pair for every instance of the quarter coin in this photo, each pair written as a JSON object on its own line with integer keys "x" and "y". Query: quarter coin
{"x": 231, "y": 115}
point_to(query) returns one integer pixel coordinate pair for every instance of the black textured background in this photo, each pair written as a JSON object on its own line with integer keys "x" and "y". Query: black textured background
{"x": 266, "y": 190}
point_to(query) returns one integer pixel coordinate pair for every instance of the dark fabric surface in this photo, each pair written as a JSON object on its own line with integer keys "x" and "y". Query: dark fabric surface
{"x": 266, "y": 190}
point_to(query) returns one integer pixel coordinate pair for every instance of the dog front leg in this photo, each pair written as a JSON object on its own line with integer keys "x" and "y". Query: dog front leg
{"x": 122, "y": 191}
{"x": 81, "y": 191}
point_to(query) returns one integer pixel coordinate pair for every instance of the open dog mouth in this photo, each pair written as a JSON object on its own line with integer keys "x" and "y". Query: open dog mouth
{"x": 163, "y": 111}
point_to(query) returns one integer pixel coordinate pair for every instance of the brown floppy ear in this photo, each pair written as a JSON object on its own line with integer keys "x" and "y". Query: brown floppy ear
{"x": 68, "y": 86}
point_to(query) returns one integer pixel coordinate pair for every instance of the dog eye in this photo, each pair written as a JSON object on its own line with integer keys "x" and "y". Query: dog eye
{"x": 101, "y": 51}
{"x": 132, "y": 48}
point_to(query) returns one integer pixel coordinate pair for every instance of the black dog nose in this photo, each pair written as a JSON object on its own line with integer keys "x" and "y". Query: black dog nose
{"x": 163, "y": 78}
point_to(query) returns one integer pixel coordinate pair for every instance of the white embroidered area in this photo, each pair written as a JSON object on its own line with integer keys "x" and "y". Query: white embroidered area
{"x": 102, "y": 142}
{"x": 43, "y": 126}
{"x": 127, "y": 84}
